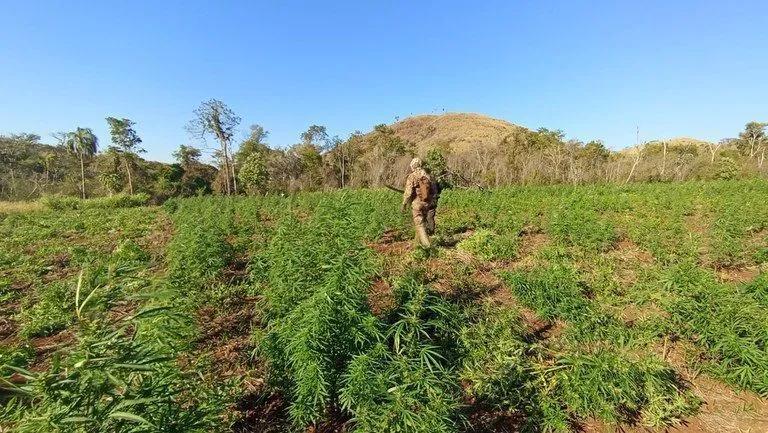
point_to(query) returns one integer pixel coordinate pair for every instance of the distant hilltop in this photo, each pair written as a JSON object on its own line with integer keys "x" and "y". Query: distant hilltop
{"x": 457, "y": 131}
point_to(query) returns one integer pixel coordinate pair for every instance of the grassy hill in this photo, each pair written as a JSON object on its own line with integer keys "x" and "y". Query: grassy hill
{"x": 463, "y": 131}
{"x": 457, "y": 131}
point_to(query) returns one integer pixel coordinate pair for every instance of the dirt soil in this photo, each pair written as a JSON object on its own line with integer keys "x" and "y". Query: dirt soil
{"x": 738, "y": 275}
{"x": 723, "y": 411}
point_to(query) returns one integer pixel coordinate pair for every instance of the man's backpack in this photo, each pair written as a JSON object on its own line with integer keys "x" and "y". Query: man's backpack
{"x": 424, "y": 188}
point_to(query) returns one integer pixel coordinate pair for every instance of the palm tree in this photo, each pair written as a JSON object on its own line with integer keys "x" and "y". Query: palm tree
{"x": 84, "y": 143}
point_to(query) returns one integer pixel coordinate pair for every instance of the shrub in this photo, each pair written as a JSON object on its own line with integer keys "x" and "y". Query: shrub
{"x": 731, "y": 325}
{"x": 556, "y": 292}
{"x": 495, "y": 364}
{"x": 577, "y": 225}
{"x": 727, "y": 168}
{"x": 113, "y": 381}
{"x": 316, "y": 306}
{"x": 113, "y": 202}
{"x": 614, "y": 387}
{"x": 487, "y": 245}
{"x": 61, "y": 203}
{"x": 406, "y": 383}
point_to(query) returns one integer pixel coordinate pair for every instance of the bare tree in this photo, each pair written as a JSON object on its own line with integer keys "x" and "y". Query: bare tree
{"x": 638, "y": 155}
{"x": 214, "y": 117}
{"x": 343, "y": 155}
{"x": 714, "y": 147}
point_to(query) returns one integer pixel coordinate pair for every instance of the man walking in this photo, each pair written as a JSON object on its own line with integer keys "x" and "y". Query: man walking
{"x": 421, "y": 192}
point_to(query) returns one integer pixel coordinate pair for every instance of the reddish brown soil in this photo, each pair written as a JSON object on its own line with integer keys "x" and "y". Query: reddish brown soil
{"x": 156, "y": 241}
{"x": 488, "y": 420}
{"x": 236, "y": 271}
{"x": 225, "y": 335}
{"x": 45, "y": 347}
{"x": 395, "y": 248}
{"x": 628, "y": 251}
{"x": 738, "y": 275}
{"x": 59, "y": 267}
{"x": 261, "y": 412}
{"x": 380, "y": 298}
{"x": 632, "y": 313}
{"x": 8, "y": 325}
{"x": 531, "y": 243}
{"x": 724, "y": 410}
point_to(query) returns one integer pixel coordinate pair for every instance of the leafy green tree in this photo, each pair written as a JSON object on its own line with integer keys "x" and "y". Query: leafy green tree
{"x": 187, "y": 155}
{"x": 216, "y": 118}
{"x": 437, "y": 166}
{"x": 256, "y": 142}
{"x": 17, "y": 159}
{"x": 315, "y": 135}
{"x": 169, "y": 180}
{"x": 111, "y": 181}
{"x": 309, "y": 164}
{"x": 47, "y": 159}
{"x": 595, "y": 150}
{"x": 253, "y": 173}
{"x": 196, "y": 177}
{"x": 753, "y": 140}
{"x": 127, "y": 141}
{"x": 308, "y": 156}
{"x": 84, "y": 144}
{"x": 108, "y": 169}
{"x": 547, "y": 138}
{"x": 594, "y": 153}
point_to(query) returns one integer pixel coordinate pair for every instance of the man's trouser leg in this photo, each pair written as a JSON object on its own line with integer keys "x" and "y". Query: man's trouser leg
{"x": 430, "y": 223}
{"x": 419, "y": 220}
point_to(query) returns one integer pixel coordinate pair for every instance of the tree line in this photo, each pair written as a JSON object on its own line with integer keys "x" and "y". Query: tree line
{"x": 77, "y": 165}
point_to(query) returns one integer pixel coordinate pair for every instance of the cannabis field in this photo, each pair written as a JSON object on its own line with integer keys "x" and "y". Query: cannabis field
{"x": 542, "y": 309}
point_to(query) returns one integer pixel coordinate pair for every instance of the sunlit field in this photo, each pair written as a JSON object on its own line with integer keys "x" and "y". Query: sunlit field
{"x": 545, "y": 309}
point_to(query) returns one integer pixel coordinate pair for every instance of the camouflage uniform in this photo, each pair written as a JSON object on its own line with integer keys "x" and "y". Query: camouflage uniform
{"x": 423, "y": 211}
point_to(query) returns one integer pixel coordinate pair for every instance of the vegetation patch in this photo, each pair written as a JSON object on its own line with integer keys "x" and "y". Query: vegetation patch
{"x": 117, "y": 201}
{"x": 561, "y": 307}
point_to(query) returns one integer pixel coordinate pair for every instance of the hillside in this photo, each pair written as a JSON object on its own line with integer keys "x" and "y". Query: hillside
{"x": 460, "y": 131}
{"x": 463, "y": 131}
{"x": 680, "y": 142}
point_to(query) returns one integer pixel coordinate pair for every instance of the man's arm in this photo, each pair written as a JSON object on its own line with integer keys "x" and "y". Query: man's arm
{"x": 407, "y": 193}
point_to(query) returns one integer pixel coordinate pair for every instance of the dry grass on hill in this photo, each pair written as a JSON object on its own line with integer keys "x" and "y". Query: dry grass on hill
{"x": 459, "y": 131}
{"x": 19, "y": 206}
{"x": 464, "y": 131}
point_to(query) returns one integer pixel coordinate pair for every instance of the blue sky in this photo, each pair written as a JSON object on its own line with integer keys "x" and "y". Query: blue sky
{"x": 592, "y": 69}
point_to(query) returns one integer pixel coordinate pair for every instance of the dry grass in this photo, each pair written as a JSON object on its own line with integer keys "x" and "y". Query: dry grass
{"x": 458, "y": 131}
{"x": 8, "y": 207}
{"x": 462, "y": 132}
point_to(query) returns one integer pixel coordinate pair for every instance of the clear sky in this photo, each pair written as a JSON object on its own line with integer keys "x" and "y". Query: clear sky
{"x": 593, "y": 69}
